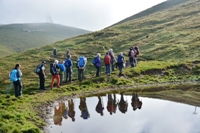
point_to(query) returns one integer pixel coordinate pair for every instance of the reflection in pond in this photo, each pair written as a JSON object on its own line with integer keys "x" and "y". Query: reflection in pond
{"x": 134, "y": 114}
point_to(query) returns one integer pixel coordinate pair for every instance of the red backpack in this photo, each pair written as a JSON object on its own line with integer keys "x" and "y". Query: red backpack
{"x": 107, "y": 59}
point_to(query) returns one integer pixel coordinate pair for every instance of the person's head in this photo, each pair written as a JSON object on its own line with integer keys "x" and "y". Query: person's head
{"x": 121, "y": 53}
{"x": 54, "y": 48}
{"x": 139, "y": 105}
{"x": 56, "y": 61}
{"x": 69, "y": 56}
{"x": 17, "y": 66}
{"x": 65, "y": 117}
{"x": 110, "y": 50}
{"x": 43, "y": 62}
{"x": 134, "y": 108}
{"x": 101, "y": 113}
{"x": 98, "y": 55}
{"x": 73, "y": 119}
{"x": 110, "y": 113}
{"x": 106, "y": 52}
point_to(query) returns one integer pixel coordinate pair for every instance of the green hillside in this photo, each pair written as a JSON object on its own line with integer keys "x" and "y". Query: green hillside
{"x": 157, "y": 8}
{"x": 20, "y": 37}
{"x": 169, "y": 56}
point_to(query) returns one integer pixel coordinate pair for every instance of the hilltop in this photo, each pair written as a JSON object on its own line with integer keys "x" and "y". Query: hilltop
{"x": 169, "y": 45}
{"x": 20, "y": 37}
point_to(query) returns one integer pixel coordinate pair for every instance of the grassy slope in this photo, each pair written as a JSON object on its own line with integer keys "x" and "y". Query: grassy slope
{"x": 162, "y": 6}
{"x": 173, "y": 40}
{"x": 16, "y": 40}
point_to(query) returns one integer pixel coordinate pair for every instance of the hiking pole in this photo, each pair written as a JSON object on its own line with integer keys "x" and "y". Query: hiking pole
{"x": 8, "y": 89}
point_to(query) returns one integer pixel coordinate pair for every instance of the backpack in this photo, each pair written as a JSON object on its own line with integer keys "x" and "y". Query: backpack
{"x": 52, "y": 67}
{"x": 132, "y": 53}
{"x": 38, "y": 69}
{"x": 119, "y": 59}
{"x": 85, "y": 114}
{"x": 13, "y": 75}
{"x": 94, "y": 61}
{"x": 137, "y": 50}
{"x": 107, "y": 59}
{"x": 111, "y": 55}
{"x": 81, "y": 62}
{"x": 68, "y": 63}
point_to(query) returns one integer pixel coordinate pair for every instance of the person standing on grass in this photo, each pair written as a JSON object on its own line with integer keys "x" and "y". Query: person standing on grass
{"x": 42, "y": 75}
{"x": 62, "y": 71}
{"x": 68, "y": 65}
{"x": 15, "y": 77}
{"x": 67, "y": 53}
{"x": 120, "y": 61}
{"x": 107, "y": 61}
{"x": 112, "y": 56}
{"x": 97, "y": 63}
{"x": 54, "y": 52}
{"x": 54, "y": 69}
{"x": 137, "y": 53}
{"x": 132, "y": 57}
{"x": 81, "y": 63}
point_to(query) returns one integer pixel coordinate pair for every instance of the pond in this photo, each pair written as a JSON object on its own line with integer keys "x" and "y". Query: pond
{"x": 118, "y": 113}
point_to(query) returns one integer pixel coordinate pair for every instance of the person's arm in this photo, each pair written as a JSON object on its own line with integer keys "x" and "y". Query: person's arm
{"x": 43, "y": 72}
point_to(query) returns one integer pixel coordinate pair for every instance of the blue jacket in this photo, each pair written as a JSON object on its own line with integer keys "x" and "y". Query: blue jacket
{"x": 120, "y": 59}
{"x": 98, "y": 61}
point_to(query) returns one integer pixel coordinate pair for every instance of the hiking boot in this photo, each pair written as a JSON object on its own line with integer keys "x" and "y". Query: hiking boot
{"x": 58, "y": 86}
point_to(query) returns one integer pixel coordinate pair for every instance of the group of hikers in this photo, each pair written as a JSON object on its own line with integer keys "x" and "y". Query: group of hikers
{"x": 64, "y": 111}
{"x": 58, "y": 69}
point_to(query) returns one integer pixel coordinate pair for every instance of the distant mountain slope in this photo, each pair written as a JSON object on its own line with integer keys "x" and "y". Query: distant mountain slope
{"x": 20, "y": 37}
{"x": 162, "y": 6}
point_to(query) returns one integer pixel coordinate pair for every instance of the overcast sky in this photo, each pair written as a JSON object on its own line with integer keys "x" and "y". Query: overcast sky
{"x": 86, "y": 14}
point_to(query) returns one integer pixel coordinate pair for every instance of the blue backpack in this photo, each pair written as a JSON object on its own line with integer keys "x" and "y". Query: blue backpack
{"x": 85, "y": 114}
{"x": 120, "y": 59}
{"x": 68, "y": 63}
{"x": 94, "y": 61}
{"x": 81, "y": 62}
{"x": 13, "y": 75}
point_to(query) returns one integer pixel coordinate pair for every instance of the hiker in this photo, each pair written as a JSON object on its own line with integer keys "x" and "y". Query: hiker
{"x": 15, "y": 77}
{"x": 120, "y": 62}
{"x": 112, "y": 56}
{"x": 136, "y": 103}
{"x": 57, "y": 117}
{"x": 67, "y": 53}
{"x": 132, "y": 57}
{"x": 81, "y": 64}
{"x": 71, "y": 112}
{"x": 99, "y": 107}
{"x": 137, "y": 53}
{"x": 42, "y": 75}
{"x": 64, "y": 110}
{"x": 62, "y": 71}
{"x": 111, "y": 104}
{"x": 68, "y": 65}
{"x": 54, "y": 69}
{"x": 107, "y": 61}
{"x": 122, "y": 105}
{"x": 97, "y": 63}
{"x": 83, "y": 108}
{"x": 54, "y": 52}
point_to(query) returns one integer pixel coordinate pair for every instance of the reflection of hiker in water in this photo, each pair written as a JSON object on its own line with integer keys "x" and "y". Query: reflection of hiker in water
{"x": 136, "y": 103}
{"x": 64, "y": 110}
{"x": 112, "y": 104}
{"x": 122, "y": 104}
{"x": 99, "y": 107}
{"x": 83, "y": 108}
{"x": 57, "y": 118}
{"x": 71, "y": 112}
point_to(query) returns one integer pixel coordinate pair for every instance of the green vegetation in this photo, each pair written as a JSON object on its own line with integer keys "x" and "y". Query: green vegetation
{"x": 20, "y": 37}
{"x": 170, "y": 55}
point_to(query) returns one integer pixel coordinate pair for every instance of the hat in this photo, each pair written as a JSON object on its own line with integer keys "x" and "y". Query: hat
{"x": 44, "y": 62}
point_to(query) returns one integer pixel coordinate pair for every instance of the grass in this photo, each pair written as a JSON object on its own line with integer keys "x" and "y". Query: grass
{"x": 169, "y": 55}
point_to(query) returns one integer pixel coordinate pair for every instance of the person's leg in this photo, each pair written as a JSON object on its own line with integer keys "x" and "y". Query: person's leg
{"x": 109, "y": 69}
{"x": 58, "y": 80}
{"x": 70, "y": 75}
{"x": 67, "y": 75}
{"x": 40, "y": 77}
{"x": 98, "y": 71}
{"x": 16, "y": 88}
{"x": 52, "y": 81}
{"x": 79, "y": 74}
{"x": 20, "y": 88}
{"x": 61, "y": 78}
{"x": 113, "y": 66}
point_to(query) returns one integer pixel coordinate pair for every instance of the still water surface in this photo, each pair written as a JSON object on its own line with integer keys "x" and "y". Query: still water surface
{"x": 102, "y": 115}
